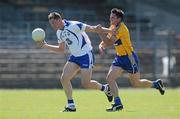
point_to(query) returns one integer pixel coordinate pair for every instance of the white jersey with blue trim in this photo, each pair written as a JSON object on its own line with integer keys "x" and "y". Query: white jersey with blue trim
{"x": 75, "y": 37}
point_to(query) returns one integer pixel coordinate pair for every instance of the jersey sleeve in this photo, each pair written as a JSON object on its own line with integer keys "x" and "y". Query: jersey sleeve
{"x": 58, "y": 33}
{"x": 81, "y": 26}
{"x": 123, "y": 32}
{"x": 119, "y": 32}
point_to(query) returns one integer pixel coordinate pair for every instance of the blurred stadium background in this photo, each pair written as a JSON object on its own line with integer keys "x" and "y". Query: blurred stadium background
{"x": 154, "y": 26}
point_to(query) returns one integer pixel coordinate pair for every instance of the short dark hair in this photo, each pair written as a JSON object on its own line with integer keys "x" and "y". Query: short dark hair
{"x": 54, "y": 15}
{"x": 118, "y": 12}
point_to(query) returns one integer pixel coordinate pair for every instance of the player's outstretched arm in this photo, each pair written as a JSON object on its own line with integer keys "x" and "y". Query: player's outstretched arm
{"x": 97, "y": 29}
{"x": 55, "y": 48}
{"x": 106, "y": 40}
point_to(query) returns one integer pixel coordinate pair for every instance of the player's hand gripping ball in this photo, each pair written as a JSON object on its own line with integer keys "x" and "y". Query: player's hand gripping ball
{"x": 38, "y": 34}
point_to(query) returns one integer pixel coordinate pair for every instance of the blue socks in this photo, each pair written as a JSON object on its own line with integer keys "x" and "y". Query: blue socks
{"x": 117, "y": 101}
{"x": 155, "y": 84}
{"x": 71, "y": 103}
{"x": 102, "y": 88}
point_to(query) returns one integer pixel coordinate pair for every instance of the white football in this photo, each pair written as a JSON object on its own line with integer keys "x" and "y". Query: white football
{"x": 38, "y": 34}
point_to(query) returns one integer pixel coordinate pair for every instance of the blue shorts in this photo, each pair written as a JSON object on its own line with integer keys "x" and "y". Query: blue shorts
{"x": 85, "y": 61}
{"x": 128, "y": 63}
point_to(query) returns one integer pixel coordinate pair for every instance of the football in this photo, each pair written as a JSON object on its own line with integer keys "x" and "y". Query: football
{"x": 38, "y": 34}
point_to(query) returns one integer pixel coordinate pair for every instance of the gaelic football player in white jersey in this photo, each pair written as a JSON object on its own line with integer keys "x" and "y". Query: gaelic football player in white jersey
{"x": 73, "y": 34}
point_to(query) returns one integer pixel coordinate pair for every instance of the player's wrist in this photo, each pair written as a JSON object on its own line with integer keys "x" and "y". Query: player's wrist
{"x": 98, "y": 29}
{"x": 41, "y": 44}
{"x": 44, "y": 45}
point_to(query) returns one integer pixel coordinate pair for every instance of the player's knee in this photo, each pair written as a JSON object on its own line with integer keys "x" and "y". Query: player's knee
{"x": 85, "y": 84}
{"x": 109, "y": 80}
{"x": 63, "y": 80}
{"x": 136, "y": 84}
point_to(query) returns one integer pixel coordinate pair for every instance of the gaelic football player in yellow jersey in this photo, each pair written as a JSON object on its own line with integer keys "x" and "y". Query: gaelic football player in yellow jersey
{"x": 125, "y": 59}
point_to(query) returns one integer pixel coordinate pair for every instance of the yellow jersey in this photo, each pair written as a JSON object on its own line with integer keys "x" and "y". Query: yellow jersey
{"x": 123, "y": 44}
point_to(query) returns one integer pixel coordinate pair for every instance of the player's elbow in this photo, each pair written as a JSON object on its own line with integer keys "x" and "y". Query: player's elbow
{"x": 61, "y": 50}
{"x": 85, "y": 84}
{"x": 107, "y": 43}
{"x": 136, "y": 84}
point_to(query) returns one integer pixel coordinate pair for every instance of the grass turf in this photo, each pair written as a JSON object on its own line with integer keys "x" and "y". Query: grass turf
{"x": 90, "y": 104}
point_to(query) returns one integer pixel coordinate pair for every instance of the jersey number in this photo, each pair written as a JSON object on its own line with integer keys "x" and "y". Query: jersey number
{"x": 69, "y": 42}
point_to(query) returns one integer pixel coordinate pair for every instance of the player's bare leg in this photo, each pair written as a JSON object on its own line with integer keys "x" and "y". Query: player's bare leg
{"x": 86, "y": 82}
{"x": 144, "y": 83}
{"x": 113, "y": 73}
{"x": 137, "y": 82}
{"x": 69, "y": 71}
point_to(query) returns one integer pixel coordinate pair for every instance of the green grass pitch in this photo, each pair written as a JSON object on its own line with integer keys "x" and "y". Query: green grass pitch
{"x": 90, "y": 104}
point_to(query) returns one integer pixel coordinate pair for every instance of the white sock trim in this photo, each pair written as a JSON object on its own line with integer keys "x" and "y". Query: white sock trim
{"x": 71, "y": 105}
